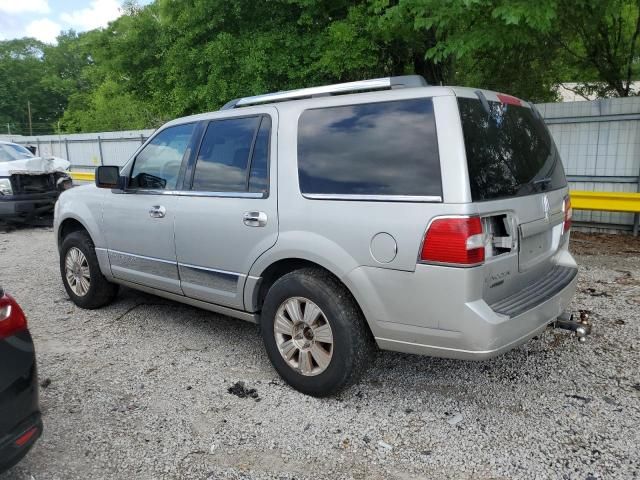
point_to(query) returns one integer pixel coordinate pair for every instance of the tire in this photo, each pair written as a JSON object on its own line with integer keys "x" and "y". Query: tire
{"x": 341, "y": 361}
{"x": 99, "y": 291}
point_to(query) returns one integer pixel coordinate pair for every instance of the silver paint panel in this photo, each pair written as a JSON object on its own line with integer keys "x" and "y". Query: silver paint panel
{"x": 249, "y": 317}
{"x": 153, "y": 272}
{"x": 103, "y": 261}
{"x": 209, "y": 278}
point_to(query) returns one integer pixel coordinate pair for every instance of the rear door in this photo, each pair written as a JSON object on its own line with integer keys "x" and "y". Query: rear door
{"x": 229, "y": 216}
{"x": 518, "y": 185}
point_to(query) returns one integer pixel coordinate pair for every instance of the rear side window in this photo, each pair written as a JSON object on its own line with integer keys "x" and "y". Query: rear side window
{"x": 510, "y": 152}
{"x": 233, "y": 156}
{"x": 386, "y": 148}
{"x": 259, "y": 174}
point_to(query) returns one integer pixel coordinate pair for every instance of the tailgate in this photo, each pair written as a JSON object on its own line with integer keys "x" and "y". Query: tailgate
{"x": 518, "y": 185}
{"x": 523, "y": 236}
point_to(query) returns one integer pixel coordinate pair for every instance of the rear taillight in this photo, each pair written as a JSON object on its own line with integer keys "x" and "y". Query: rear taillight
{"x": 454, "y": 241}
{"x": 12, "y": 319}
{"x": 568, "y": 213}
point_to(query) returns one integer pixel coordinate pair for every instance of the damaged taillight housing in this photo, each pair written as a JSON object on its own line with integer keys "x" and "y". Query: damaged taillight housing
{"x": 568, "y": 213}
{"x": 454, "y": 241}
{"x": 12, "y": 319}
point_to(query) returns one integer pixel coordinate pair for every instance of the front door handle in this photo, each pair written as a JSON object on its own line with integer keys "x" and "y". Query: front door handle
{"x": 255, "y": 219}
{"x": 157, "y": 211}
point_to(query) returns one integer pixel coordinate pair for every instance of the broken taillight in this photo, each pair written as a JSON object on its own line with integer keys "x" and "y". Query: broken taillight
{"x": 568, "y": 213}
{"x": 12, "y": 319}
{"x": 456, "y": 241}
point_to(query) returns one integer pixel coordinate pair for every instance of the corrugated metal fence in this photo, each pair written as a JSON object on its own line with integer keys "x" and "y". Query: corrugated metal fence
{"x": 599, "y": 142}
{"x": 88, "y": 150}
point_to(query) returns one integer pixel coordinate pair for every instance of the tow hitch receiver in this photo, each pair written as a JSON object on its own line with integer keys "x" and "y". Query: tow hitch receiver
{"x": 582, "y": 327}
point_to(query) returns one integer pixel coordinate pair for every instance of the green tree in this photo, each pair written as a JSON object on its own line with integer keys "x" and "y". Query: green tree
{"x": 171, "y": 58}
{"x": 21, "y": 82}
{"x": 523, "y": 46}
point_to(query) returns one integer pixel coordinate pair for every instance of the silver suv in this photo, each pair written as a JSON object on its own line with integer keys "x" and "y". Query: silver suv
{"x": 388, "y": 213}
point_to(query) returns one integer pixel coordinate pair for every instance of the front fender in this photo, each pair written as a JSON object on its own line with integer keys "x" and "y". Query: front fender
{"x": 83, "y": 204}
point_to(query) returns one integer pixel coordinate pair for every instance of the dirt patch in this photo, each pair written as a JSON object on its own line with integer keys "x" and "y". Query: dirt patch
{"x": 239, "y": 389}
{"x": 604, "y": 244}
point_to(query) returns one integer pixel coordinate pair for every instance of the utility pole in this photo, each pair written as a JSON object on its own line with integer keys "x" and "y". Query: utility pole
{"x": 9, "y": 128}
{"x": 29, "y": 110}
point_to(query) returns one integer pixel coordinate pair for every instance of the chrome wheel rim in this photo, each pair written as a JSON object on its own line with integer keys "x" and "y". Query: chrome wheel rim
{"x": 303, "y": 336}
{"x": 77, "y": 271}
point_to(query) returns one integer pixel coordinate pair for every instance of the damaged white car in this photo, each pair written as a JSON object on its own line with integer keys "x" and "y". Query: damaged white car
{"x": 29, "y": 185}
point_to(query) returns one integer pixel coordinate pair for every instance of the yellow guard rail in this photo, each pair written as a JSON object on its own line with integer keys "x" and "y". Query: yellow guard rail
{"x": 605, "y": 201}
{"x": 83, "y": 176}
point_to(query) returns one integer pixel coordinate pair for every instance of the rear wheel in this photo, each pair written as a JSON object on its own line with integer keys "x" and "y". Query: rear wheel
{"x": 81, "y": 274}
{"x": 314, "y": 333}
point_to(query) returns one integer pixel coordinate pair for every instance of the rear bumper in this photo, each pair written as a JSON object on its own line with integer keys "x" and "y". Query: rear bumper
{"x": 26, "y": 205}
{"x": 13, "y": 446}
{"x": 19, "y": 406}
{"x": 441, "y": 323}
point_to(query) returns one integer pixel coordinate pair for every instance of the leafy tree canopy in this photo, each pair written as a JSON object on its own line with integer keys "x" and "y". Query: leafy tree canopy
{"x": 174, "y": 58}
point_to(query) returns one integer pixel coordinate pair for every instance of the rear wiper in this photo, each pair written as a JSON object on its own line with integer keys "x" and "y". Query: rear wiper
{"x": 541, "y": 182}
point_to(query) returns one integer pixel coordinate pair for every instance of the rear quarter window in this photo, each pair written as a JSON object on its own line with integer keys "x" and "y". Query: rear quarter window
{"x": 381, "y": 149}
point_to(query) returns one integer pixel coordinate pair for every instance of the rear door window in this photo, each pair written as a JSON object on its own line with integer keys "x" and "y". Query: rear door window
{"x": 259, "y": 173}
{"x": 233, "y": 156}
{"x": 510, "y": 151}
{"x": 375, "y": 149}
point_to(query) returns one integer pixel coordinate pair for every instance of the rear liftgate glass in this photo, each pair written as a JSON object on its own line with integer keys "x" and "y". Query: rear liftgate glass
{"x": 510, "y": 154}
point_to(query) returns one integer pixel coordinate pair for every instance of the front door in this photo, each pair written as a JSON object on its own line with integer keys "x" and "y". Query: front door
{"x": 229, "y": 217}
{"x": 139, "y": 222}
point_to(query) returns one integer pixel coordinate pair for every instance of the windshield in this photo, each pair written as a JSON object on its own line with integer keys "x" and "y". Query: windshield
{"x": 510, "y": 152}
{"x": 11, "y": 151}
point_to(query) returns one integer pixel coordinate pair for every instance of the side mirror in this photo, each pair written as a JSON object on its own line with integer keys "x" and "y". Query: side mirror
{"x": 108, "y": 177}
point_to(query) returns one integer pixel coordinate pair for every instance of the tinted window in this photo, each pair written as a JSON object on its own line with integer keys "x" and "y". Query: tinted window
{"x": 509, "y": 151}
{"x": 259, "y": 176}
{"x": 224, "y": 155}
{"x": 384, "y": 148}
{"x": 157, "y": 166}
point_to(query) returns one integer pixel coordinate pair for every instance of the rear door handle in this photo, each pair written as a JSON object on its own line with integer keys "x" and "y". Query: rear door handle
{"x": 255, "y": 219}
{"x": 157, "y": 211}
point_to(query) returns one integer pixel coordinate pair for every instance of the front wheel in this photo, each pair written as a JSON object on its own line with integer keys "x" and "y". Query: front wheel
{"x": 81, "y": 274}
{"x": 314, "y": 333}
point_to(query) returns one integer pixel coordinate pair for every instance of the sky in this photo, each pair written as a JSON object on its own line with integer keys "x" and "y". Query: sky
{"x": 45, "y": 19}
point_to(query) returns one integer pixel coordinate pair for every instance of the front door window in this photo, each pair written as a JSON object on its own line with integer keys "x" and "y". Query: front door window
{"x": 157, "y": 166}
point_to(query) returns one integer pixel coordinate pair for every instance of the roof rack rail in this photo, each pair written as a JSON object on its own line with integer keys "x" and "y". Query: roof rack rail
{"x": 404, "y": 81}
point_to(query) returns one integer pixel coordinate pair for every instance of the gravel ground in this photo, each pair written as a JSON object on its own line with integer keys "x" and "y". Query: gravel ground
{"x": 140, "y": 390}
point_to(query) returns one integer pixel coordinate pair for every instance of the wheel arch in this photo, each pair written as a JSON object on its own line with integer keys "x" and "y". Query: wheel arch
{"x": 72, "y": 223}
{"x": 278, "y": 268}
{"x": 68, "y": 226}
